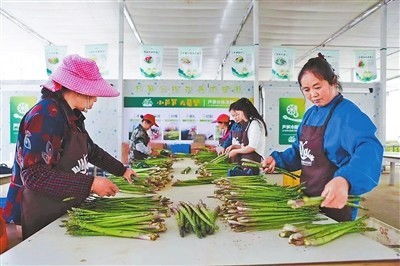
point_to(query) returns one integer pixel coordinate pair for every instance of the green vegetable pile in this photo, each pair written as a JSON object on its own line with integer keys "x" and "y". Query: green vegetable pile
{"x": 196, "y": 218}
{"x": 319, "y": 234}
{"x": 194, "y": 182}
{"x": 217, "y": 167}
{"x": 251, "y": 204}
{"x": 204, "y": 156}
{"x": 131, "y": 217}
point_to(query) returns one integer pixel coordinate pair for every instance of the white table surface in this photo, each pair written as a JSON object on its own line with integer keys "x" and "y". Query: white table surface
{"x": 52, "y": 245}
{"x": 5, "y": 175}
{"x": 392, "y": 155}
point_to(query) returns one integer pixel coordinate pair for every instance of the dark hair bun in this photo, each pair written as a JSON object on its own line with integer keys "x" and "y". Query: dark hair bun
{"x": 321, "y": 56}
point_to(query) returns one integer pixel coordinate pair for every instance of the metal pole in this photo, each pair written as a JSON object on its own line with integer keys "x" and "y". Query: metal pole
{"x": 256, "y": 41}
{"x": 120, "y": 101}
{"x": 348, "y": 26}
{"x": 382, "y": 91}
{"x": 222, "y": 72}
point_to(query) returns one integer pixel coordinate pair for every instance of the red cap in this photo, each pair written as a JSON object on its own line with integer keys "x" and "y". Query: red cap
{"x": 222, "y": 118}
{"x": 151, "y": 118}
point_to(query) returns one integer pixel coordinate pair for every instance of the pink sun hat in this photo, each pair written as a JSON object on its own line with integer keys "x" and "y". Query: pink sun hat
{"x": 80, "y": 75}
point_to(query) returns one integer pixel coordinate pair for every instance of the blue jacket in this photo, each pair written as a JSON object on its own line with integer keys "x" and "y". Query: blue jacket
{"x": 234, "y": 128}
{"x": 350, "y": 143}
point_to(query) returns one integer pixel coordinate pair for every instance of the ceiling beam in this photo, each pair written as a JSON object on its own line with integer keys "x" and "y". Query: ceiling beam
{"x": 236, "y": 36}
{"x": 23, "y": 26}
{"x": 339, "y": 46}
{"x": 346, "y": 27}
{"x": 131, "y": 24}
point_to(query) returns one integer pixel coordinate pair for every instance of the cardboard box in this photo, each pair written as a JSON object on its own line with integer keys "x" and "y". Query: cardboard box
{"x": 195, "y": 147}
{"x": 199, "y": 138}
{"x": 156, "y": 147}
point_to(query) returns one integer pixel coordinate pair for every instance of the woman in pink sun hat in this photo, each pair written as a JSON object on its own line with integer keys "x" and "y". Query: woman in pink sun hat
{"x": 53, "y": 149}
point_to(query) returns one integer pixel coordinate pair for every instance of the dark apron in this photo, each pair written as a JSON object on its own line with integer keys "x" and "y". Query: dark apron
{"x": 137, "y": 155}
{"x": 238, "y": 135}
{"x": 254, "y": 156}
{"x": 317, "y": 170}
{"x": 37, "y": 209}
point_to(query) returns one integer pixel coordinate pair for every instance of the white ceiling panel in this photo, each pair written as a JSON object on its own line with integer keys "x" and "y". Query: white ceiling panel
{"x": 173, "y": 23}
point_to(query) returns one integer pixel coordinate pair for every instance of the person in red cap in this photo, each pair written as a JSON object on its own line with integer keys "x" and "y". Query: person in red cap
{"x": 224, "y": 124}
{"x": 139, "y": 142}
{"x": 54, "y": 149}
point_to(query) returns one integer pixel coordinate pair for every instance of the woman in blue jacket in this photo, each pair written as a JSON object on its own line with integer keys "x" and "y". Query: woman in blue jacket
{"x": 336, "y": 147}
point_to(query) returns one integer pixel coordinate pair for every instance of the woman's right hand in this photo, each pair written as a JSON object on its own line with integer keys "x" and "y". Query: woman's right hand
{"x": 220, "y": 150}
{"x": 232, "y": 147}
{"x": 228, "y": 149}
{"x": 268, "y": 164}
{"x": 103, "y": 187}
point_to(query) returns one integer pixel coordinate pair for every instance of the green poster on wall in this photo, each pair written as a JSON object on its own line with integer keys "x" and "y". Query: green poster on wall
{"x": 291, "y": 112}
{"x": 19, "y": 105}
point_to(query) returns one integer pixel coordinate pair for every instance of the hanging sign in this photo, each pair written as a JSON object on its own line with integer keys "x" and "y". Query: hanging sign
{"x": 151, "y": 58}
{"x": 190, "y": 62}
{"x": 282, "y": 63}
{"x": 19, "y": 105}
{"x": 291, "y": 112}
{"x": 242, "y": 61}
{"x": 332, "y": 56}
{"x": 99, "y": 54}
{"x": 365, "y": 65}
{"x": 54, "y": 55}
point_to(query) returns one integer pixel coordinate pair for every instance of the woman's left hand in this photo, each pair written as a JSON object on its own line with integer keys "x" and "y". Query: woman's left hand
{"x": 128, "y": 175}
{"x": 336, "y": 193}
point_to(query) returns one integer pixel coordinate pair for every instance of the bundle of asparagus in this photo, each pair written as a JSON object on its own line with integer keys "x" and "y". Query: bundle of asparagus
{"x": 250, "y": 203}
{"x": 133, "y": 217}
{"x": 196, "y": 218}
{"x": 251, "y": 163}
{"x": 218, "y": 167}
{"x": 204, "y": 156}
{"x": 148, "y": 180}
{"x": 193, "y": 182}
{"x": 162, "y": 162}
{"x": 186, "y": 170}
{"x": 305, "y": 201}
{"x": 319, "y": 234}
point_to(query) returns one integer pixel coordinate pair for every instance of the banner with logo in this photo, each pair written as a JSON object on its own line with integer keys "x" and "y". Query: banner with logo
{"x": 19, "y": 105}
{"x": 190, "y": 62}
{"x": 241, "y": 60}
{"x": 182, "y": 108}
{"x": 365, "y": 65}
{"x": 99, "y": 54}
{"x": 332, "y": 56}
{"x": 291, "y": 112}
{"x": 282, "y": 63}
{"x": 54, "y": 56}
{"x": 151, "y": 60}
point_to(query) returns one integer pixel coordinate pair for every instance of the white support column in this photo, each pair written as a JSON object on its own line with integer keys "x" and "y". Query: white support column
{"x": 120, "y": 104}
{"x": 256, "y": 42}
{"x": 382, "y": 90}
{"x": 222, "y": 72}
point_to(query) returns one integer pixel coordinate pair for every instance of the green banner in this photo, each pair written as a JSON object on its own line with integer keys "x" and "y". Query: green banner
{"x": 291, "y": 112}
{"x": 178, "y": 102}
{"x": 19, "y": 105}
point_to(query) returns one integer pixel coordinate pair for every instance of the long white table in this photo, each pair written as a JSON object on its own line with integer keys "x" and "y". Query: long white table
{"x": 52, "y": 245}
{"x": 393, "y": 158}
